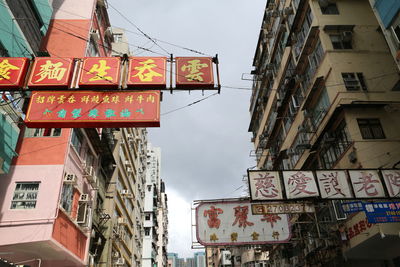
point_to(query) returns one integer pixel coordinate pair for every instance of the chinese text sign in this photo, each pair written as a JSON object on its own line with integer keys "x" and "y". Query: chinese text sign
{"x": 51, "y": 72}
{"x": 194, "y": 72}
{"x": 88, "y": 109}
{"x": 12, "y": 72}
{"x": 147, "y": 72}
{"x": 232, "y": 223}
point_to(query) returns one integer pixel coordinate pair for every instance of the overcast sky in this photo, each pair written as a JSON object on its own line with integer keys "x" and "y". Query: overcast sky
{"x": 205, "y": 147}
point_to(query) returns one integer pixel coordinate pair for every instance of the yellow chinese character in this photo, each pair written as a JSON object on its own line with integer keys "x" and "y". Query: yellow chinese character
{"x": 51, "y": 99}
{"x": 99, "y": 71}
{"x": 5, "y": 68}
{"x": 140, "y": 99}
{"x": 106, "y": 99}
{"x": 40, "y": 99}
{"x": 115, "y": 99}
{"x": 194, "y": 68}
{"x": 146, "y": 72}
{"x": 213, "y": 237}
{"x": 51, "y": 71}
{"x": 61, "y": 99}
{"x": 234, "y": 236}
{"x": 129, "y": 99}
{"x": 150, "y": 98}
{"x": 95, "y": 99}
{"x": 255, "y": 235}
{"x": 85, "y": 99}
{"x": 71, "y": 99}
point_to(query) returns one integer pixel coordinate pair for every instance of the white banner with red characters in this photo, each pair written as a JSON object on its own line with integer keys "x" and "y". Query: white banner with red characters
{"x": 232, "y": 223}
{"x": 326, "y": 184}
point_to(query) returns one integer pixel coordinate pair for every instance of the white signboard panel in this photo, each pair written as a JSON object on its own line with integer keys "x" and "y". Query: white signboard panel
{"x": 392, "y": 182}
{"x": 366, "y": 184}
{"x": 265, "y": 185}
{"x": 334, "y": 184}
{"x": 300, "y": 184}
{"x": 232, "y": 223}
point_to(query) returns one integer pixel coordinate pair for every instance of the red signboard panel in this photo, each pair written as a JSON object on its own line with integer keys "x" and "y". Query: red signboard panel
{"x": 104, "y": 71}
{"x": 194, "y": 72}
{"x": 145, "y": 72}
{"x": 12, "y": 72}
{"x": 51, "y": 72}
{"x": 88, "y": 109}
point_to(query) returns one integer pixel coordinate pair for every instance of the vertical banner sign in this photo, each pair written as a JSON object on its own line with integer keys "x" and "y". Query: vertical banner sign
{"x": 265, "y": 185}
{"x": 90, "y": 109}
{"x": 194, "y": 72}
{"x": 100, "y": 71}
{"x": 51, "y": 72}
{"x": 300, "y": 184}
{"x": 334, "y": 184}
{"x": 392, "y": 181}
{"x": 366, "y": 184}
{"x": 12, "y": 72}
{"x": 147, "y": 72}
{"x": 232, "y": 223}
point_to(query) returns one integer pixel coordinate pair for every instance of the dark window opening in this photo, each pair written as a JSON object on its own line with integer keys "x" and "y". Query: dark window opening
{"x": 341, "y": 41}
{"x": 328, "y": 8}
{"x": 354, "y": 81}
{"x": 371, "y": 129}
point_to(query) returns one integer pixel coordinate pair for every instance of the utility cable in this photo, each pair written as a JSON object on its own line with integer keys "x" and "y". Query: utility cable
{"x": 188, "y": 105}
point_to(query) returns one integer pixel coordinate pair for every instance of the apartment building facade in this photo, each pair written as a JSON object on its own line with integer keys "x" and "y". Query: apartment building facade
{"x": 68, "y": 188}
{"x": 24, "y": 23}
{"x": 325, "y": 95}
{"x": 155, "y": 240}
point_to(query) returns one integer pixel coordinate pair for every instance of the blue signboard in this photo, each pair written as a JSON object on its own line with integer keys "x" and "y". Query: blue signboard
{"x": 382, "y": 212}
{"x": 354, "y": 206}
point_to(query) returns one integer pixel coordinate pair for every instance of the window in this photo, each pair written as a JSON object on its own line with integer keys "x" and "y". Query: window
{"x": 147, "y": 231}
{"x": 147, "y": 217}
{"x": 25, "y": 195}
{"x": 354, "y": 81}
{"x": 67, "y": 197}
{"x": 77, "y": 140}
{"x": 40, "y": 132}
{"x": 117, "y": 37}
{"x": 341, "y": 41}
{"x": 333, "y": 145}
{"x": 328, "y": 8}
{"x": 93, "y": 51}
{"x": 3, "y": 51}
{"x": 370, "y": 129}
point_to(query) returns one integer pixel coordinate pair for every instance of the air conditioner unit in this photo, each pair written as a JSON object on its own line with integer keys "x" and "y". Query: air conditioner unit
{"x": 108, "y": 32}
{"x": 122, "y": 221}
{"x": 115, "y": 254}
{"x": 129, "y": 169}
{"x": 126, "y": 193}
{"x": 70, "y": 178}
{"x": 84, "y": 198}
{"x": 287, "y": 11}
{"x": 298, "y": 78}
{"x": 347, "y": 36}
{"x": 95, "y": 35}
{"x": 127, "y": 162}
{"x": 120, "y": 261}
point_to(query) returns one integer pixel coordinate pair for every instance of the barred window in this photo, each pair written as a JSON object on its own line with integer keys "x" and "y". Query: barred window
{"x": 371, "y": 129}
{"x": 25, "y": 195}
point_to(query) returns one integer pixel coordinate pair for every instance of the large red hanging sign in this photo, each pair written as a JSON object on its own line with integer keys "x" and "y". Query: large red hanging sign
{"x": 88, "y": 109}
{"x": 194, "y": 72}
{"x": 100, "y": 71}
{"x": 12, "y": 72}
{"x": 147, "y": 72}
{"x": 51, "y": 72}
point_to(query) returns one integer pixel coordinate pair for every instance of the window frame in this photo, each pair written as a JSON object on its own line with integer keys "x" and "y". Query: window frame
{"x": 356, "y": 77}
{"x": 25, "y": 193}
{"x": 330, "y": 9}
{"x": 43, "y": 132}
{"x": 371, "y": 125}
{"x": 340, "y": 44}
{"x": 65, "y": 202}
